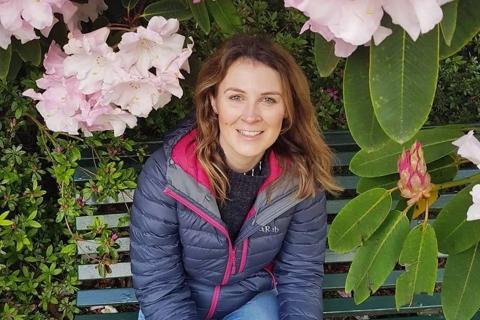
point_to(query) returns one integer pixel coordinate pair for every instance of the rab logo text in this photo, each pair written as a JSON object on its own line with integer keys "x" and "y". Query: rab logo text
{"x": 268, "y": 229}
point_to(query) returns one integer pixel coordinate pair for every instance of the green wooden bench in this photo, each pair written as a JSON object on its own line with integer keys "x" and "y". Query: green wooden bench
{"x": 381, "y": 306}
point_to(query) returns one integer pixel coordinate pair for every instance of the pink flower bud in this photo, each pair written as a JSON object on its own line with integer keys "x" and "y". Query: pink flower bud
{"x": 414, "y": 183}
{"x": 114, "y": 236}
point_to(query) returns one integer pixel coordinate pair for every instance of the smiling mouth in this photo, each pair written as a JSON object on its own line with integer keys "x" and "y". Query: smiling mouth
{"x": 249, "y": 133}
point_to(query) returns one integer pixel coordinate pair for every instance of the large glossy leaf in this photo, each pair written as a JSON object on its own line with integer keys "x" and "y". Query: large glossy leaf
{"x": 325, "y": 57}
{"x": 225, "y": 15}
{"x": 386, "y": 182}
{"x": 419, "y": 257}
{"x": 200, "y": 13}
{"x": 449, "y": 21}
{"x": 454, "y": 233}
{"x": 5, "y": 57}
{"x": 461, "y": 284}
{"x": 359, "y": 219}
{"x": 376, "y": 259}
{"x": 436, "y": 143}
{"x": 467, "y": 26}
{"x": 441, "y": 170}
{"x": 168, "y": 9}
{"x": 29, "y": 52}
{"x": 403, "y": 79}
{"x": 362, "y": 123}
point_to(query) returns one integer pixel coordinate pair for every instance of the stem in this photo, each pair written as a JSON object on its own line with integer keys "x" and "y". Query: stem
{"x": 42, "y": 128}
{"x": 450, "y": 184}
{"x": 122, "y": 29}
{"x": 392, "y": 190}
{"x": 425, "y": 221}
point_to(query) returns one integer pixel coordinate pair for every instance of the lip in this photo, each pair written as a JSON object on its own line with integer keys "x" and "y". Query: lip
{"x": 250, "y": 137}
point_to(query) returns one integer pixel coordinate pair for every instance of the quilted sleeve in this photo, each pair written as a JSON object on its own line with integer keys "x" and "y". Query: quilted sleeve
{"x": 158, "y": 274}
{"x": 299, "y": 264}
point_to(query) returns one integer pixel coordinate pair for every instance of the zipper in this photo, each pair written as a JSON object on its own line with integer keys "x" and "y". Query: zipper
{"x": 231, "y": 250}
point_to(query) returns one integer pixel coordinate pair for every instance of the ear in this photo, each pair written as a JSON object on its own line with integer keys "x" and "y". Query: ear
{"x": 213, "y": 103}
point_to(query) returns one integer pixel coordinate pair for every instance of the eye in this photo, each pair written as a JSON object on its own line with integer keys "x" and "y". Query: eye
{"x": 269, "y": 100}
{"x": 235, "y": 97}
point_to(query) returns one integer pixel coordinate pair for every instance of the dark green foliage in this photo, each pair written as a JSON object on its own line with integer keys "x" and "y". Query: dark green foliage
{"x": 458, "y": 93}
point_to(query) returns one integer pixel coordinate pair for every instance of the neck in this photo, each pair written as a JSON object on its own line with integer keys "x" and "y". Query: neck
{"x": 243, "y": 166}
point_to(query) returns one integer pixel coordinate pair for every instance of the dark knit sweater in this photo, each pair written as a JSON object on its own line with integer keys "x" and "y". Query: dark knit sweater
{"x": 241, "y": 196}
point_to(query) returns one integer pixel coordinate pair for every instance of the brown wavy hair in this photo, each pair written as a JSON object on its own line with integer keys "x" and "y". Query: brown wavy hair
{"x": 300, "y": 147}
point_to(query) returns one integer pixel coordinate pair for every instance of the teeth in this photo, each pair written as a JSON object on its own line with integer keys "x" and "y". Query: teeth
{"x": 249, "y": 133}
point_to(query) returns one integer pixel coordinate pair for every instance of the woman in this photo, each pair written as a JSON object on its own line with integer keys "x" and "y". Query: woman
{"x": 228, "y": 219}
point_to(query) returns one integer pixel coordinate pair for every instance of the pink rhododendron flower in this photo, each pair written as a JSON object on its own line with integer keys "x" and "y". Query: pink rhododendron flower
{"x": 20, "y": 18}
{"x": 414, "y": 183}
{"x": 350, "y": 23}
{"x": 91, "y": 60}
{"x": 469, "y": 147}
{"x": 82, "y": 12}
{"x": 473, "y": 212}
{"x": 90, "y": 87}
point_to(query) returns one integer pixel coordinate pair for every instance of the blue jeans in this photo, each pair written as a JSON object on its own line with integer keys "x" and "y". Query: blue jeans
{"x": 263, "y": 306}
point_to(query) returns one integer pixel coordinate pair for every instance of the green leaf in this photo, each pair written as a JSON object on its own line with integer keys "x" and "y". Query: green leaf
{"x": 69, "y": 249}
{"x": 436, "y": 143}
{"x": 30, "y": 51}
{"x": 168, "y": 9}
{"x": 15, "y": 66}
{"x": 5, "y": 57}
{"x": 386, "y": 182}
{"x": 443, "y": 169}
{"x": 359, "y": 219}
{"x": 200, "y": 13}
{"x": 376, "y": 259}
{"x": 34, "y": 224}
{"x": 325, "y": 57}
{"x": 419, "y": 256}
{"x": 455, "y": 234}
{"x": 461, "y": 284}
{"x": 5, "y": 223}
{"x": 225, "y": 15}
{"x": 467, "y": 26}
{"x": 32, "y": 215}
{"x": 449, "y": 21}
{"x": 362, "y": 123}
{"x": 403, "y": 78}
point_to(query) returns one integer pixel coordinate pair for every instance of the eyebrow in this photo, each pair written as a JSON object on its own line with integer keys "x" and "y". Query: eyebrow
{"x": 263, "y": 93}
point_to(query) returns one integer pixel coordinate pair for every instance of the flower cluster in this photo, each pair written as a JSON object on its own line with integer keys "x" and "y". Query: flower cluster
{"x": 469, "y": 148}
{"x": 414, "y": 183}
{"x": 351, "y": 23}
{"x": 20, "y": 18}
{"x": 91, "y": 87}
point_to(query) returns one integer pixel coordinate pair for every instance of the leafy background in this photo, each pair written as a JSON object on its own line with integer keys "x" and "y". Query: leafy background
{"x": 39, "y": 200}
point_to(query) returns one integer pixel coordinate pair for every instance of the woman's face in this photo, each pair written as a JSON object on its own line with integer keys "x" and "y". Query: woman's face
{"x": 250, "y": 111}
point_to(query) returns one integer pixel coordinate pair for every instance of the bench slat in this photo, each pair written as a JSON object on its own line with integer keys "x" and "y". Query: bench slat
{"x": 90, "y": 246}
{"x": 379, "y": 305}
{"x": 115, "y": 296}
{"x": 89, "y": 271}
{"x": 111, "y": 220}
{"x": 333, "y": 207}
{"x": 109, "y": 316}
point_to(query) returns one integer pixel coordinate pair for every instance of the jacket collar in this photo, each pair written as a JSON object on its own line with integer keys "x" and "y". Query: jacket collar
{"x": 186, "y": 176}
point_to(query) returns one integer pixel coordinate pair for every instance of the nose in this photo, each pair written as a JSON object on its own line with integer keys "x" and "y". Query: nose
{"x": 251, "y": 113}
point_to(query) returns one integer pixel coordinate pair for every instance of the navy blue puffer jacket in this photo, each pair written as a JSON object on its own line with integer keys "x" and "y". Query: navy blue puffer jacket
{"x": 185, "y": 265}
